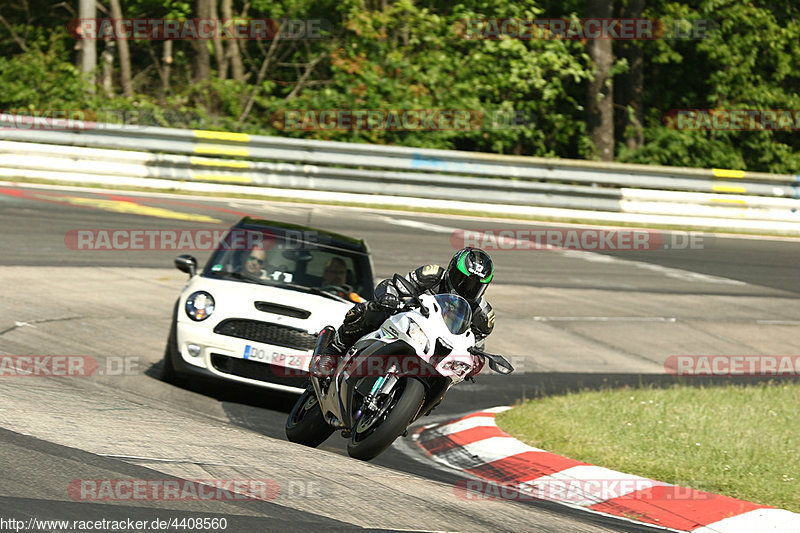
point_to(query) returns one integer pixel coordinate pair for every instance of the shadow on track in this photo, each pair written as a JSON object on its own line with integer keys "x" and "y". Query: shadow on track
{"x": 235, "y": 393}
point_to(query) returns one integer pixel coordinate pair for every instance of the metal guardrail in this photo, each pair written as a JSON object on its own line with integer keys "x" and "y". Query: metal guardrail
{"x": 118, "y": 151}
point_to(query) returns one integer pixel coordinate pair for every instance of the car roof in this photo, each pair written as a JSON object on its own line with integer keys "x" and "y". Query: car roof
{"x": 328, "y": 238}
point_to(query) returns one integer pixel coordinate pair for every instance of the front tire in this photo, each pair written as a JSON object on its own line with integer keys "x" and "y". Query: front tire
{"x": 305, "y": 424}
{"x": 367, "y": 443}
{"x": 167, "y": 372}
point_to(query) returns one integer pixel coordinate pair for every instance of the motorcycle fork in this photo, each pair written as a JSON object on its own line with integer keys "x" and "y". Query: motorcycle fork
{"x": 386, "y": 385}
{"x": 382, "y": 386}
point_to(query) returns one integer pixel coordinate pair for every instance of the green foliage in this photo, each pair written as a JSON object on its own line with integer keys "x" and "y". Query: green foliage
{"x": 410, "y": 57}
{"x": 40, "y": 78}
{"x": 749, "y": 60}
{"x": 664, "y": 146}
{"x": 528, "y": 95}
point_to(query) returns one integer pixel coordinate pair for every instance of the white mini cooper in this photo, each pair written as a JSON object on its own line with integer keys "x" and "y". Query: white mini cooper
{"x": 253, "y": 314}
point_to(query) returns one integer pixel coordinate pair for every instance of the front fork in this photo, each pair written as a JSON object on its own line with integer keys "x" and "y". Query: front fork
{"x": 382, "y": 386}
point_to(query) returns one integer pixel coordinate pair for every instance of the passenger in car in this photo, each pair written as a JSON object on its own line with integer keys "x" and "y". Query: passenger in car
{"x": 335, "y": 273}
{"x": 334, "y": 279}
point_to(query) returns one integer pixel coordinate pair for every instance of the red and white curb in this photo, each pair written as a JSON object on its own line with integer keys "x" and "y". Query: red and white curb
{"x": 505, "y": 468}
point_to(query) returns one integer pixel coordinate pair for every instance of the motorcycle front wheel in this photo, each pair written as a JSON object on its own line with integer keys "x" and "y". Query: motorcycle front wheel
{"x": 373, "y": 433}
{"x": 305, "y": 424}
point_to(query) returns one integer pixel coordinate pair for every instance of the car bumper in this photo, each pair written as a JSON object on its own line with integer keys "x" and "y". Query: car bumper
{"x": 200, "y": 353}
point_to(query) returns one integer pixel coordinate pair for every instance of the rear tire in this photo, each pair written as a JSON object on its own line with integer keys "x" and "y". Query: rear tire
{"x": 374, "y": 440}
{"x": 305, "y": 424}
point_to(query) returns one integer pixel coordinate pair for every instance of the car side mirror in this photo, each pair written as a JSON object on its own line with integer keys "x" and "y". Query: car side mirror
{"x": 186, "y": 263}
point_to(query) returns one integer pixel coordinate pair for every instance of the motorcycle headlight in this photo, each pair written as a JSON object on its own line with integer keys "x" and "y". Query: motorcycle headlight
{"x": 199, "y": 305}
{"x": 417, "y": 335}
{"x": 458, "y": 367}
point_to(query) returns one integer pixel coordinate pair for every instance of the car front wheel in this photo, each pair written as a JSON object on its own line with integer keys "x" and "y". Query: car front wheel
{"x": 167, "y": 373}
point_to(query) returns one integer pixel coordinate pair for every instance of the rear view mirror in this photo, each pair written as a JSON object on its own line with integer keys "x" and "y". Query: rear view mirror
{"x": 410, "y": 290}
{"x": 402, "y": 283}
{"x": 186, "y": 263}
{"x": 499, "y": 364}
{"x": 299, "y": 256}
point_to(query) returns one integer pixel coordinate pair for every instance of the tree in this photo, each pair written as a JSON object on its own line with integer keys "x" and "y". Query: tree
{"x": 124, "y": 53}
{"x": 232, "y": 53}
{"x": 600, "y": 93}
{"x": 630, "y": 85}
{"x": 202, "y": 58}
{"x": 88, "y": 47}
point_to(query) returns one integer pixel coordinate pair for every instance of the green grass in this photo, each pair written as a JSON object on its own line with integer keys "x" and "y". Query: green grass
{"x": 740, "y": 441}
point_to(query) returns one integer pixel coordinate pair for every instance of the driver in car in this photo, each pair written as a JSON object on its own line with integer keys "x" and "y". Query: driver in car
{"x": 255, "y": 262}
{"x": 468, "y": 274}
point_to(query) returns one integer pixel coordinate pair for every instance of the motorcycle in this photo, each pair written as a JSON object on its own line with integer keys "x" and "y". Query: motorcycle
{"x": 390, "y": 377}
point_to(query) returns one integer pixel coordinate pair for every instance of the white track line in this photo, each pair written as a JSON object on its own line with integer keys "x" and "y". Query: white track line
{"x": 584, "y": 255}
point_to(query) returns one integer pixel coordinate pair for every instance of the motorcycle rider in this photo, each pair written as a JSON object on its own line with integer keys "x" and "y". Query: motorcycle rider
{"x": 468, "y": 274}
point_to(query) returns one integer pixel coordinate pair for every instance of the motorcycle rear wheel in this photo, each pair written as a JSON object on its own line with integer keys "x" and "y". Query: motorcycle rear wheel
{"x": 305, "y": 424}
{"x": 369, "y": 443}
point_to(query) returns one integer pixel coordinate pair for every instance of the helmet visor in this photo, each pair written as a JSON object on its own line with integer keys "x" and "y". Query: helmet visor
{"x": 470, "y": 287}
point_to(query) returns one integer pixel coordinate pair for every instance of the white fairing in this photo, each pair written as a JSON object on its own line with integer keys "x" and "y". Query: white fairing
{"x": 397, "y": 326}
{"x": 235, "y": 299}
{"x": 454, "y": 366}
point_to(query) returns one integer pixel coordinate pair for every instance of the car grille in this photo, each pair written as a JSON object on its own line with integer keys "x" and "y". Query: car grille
{"x": 267, "y": 333}
{"x": 245, "y": 368}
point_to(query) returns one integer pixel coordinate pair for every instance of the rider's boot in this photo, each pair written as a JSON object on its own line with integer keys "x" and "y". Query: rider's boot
{"x": 324, "y": 364}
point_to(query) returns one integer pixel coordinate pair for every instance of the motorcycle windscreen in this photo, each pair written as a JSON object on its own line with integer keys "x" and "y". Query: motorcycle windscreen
{"x": 456, "y": 312}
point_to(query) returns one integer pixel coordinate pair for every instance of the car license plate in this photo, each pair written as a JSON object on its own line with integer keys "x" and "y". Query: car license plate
{"x": 269, "y": 356}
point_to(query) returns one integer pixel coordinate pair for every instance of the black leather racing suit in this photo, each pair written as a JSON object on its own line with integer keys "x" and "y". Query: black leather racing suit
{"x": 368, "y": 316}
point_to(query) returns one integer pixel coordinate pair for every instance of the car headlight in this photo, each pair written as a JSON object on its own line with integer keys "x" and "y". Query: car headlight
{"x": 417, "y": 335}
{"x": 199, "y": 305}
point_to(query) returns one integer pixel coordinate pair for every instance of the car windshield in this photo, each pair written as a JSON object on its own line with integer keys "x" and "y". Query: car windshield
{"x": 456, "y": 312}
{"x": 261, "y": 256}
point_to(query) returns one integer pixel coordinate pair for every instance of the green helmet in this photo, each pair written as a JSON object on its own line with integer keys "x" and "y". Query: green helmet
{"x": 469, "y": 273}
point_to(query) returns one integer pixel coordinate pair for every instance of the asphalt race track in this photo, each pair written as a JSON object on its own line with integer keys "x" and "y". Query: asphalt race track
{"x": 566, "y": 318}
